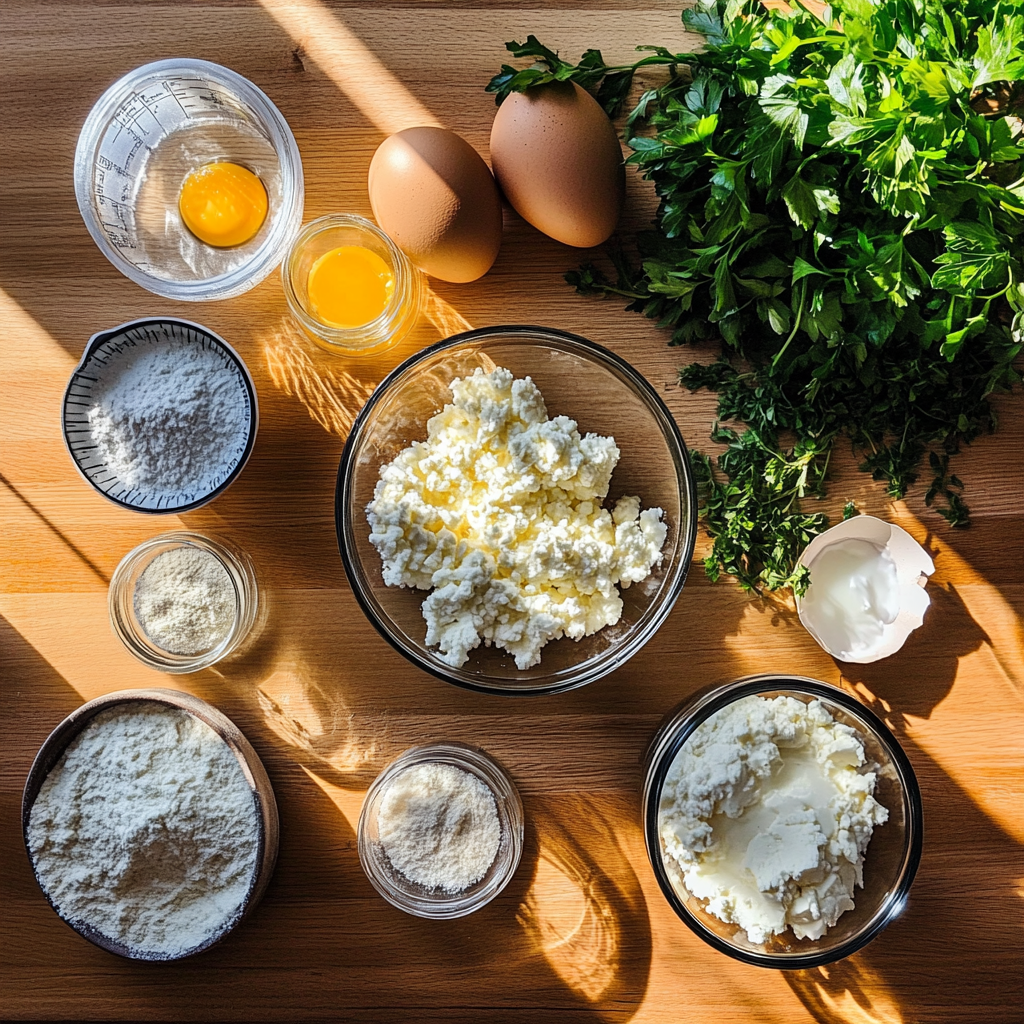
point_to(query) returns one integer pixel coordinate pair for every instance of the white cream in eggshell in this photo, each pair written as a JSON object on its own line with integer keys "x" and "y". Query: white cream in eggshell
{"x": 866, "y": 594}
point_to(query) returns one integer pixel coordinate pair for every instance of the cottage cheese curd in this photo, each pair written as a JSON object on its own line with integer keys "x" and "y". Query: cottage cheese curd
{"x": 765, "y": 815}
{"x": 498, "y": 513}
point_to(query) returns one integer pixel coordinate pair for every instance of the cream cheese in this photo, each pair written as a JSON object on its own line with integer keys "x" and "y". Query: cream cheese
{"x": 765, "y": 815}
{"x": 499, "y": 514}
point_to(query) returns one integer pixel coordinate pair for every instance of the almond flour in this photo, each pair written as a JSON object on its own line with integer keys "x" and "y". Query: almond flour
{"x": 439, "y": 826}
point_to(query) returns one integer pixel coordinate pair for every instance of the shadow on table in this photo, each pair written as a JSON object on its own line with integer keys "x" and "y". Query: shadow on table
{"x": 568, "y": 931}
{"x": 566, "y": 935}
{"x": 61, "y": 536}
{"x": 954, "y": 954}
{"x": 949, "y": 634}
{"x": 588, "y": 920}
{"x": 331, "y": 389}
{"x": 963, "y": 923}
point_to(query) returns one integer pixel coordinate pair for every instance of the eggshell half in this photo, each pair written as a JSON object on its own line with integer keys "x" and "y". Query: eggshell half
{"x": 913, "y": 567}
{"x": 557, "y": 159}
{"x": 436, "y": 198}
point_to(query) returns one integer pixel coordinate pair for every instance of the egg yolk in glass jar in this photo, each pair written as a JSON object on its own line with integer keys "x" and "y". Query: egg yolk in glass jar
{"x": 349, "y": 286}
{"x": 223, "y": 204}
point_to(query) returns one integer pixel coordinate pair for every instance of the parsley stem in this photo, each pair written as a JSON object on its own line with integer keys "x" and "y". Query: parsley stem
{"x": 623, "y": 292}
{"x": 796, "y": 325}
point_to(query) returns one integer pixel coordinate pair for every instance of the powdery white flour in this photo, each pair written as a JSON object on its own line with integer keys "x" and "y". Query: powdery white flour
{"x": 170, "y": 417}
{"x": 146, "y": 830}
{"x": 439, "y": 826}
{"x": 185, "y": 601}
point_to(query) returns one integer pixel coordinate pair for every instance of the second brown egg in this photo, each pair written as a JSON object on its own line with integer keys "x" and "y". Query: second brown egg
{"x": 557, "y": 159}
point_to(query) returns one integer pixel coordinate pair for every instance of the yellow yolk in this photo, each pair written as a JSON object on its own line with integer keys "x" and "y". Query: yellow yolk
{"x": 349, "y": 286}
{"x": 223, "y": 204}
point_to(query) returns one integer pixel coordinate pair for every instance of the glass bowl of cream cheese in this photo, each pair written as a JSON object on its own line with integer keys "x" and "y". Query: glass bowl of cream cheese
{"x": 782, "y": 819}
{"x": 516, "y": 510}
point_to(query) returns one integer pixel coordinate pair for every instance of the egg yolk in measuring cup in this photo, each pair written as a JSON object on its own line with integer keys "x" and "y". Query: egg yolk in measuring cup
{"x": 349, "y": 286}
{"x": 223, "y": 204}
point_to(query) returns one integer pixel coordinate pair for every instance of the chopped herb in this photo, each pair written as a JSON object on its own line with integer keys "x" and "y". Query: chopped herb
{"x": 842, "y": 207}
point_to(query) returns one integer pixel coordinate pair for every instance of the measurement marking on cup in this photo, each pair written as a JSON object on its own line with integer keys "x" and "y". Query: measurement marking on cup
{"x": 157, "y": 97}
{"x": 170, "y": 91}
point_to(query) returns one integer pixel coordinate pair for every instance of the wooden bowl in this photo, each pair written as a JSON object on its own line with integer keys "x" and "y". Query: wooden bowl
{"x": 267, "y": 824}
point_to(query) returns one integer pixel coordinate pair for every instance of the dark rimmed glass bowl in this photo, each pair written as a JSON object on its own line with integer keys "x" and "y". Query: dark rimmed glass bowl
{"x": 892, "y": 856}
{"x": 579, "y": 379}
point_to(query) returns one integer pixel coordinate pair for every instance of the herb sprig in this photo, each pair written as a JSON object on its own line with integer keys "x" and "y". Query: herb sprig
{"x": 842, "y": 205}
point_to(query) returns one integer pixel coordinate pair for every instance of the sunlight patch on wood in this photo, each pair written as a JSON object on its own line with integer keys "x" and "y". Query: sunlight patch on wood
{"x": 350, "y": 64}
{"x": 443, "y": 315}
{"x": 331, "y": 395}
{"x": 72, "y": 633}
{"x": 313, "y": 719}
{"x": 35, "y": 350}
{"x": 847, "y": 993}
{"x": 348, "y": 801}
{"x": 576, "y": 931}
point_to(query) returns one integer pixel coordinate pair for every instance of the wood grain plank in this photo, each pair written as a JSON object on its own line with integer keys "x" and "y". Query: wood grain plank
{"x": 582, "y": 933}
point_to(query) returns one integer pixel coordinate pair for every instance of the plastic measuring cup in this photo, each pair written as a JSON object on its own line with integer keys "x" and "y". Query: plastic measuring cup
{"x": 139, "y": 142}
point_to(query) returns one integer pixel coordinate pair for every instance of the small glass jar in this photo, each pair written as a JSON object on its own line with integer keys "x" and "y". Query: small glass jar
{"x": 321, "y": 236}
{"x": 131, "y": 632}
{"x": 417, "y": 899}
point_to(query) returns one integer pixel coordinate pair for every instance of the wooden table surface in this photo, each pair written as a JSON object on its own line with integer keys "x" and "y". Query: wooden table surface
{"x": 582, "y": 932}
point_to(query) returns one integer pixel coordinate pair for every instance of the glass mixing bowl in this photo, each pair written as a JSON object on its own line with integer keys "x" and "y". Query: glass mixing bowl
{"x": 579, "y": 379}
{"x": 140, "y": 141}
{"x": 892, "y": 856}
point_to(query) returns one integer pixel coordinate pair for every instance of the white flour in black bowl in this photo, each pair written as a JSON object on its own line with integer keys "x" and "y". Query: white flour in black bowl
{"x": 160, "y": 415}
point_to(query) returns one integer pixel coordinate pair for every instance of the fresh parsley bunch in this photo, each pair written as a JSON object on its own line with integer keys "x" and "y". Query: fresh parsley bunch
{"x": 842, "y": 204}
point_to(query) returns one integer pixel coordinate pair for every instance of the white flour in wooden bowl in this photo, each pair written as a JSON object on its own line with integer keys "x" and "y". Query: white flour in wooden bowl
{"x": 146, "y": 831}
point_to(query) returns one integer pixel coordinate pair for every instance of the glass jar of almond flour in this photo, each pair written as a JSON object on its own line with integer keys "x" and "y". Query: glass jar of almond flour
{"x": 183, "y": 601}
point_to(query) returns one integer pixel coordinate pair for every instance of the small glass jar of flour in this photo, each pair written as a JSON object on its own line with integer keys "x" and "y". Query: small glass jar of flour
{"x": 182, "y": 601}
{"x": 441, "y": 830}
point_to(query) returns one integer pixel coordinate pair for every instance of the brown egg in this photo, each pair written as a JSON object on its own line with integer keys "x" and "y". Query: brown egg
{"x": 435, "y": 196}
{"x": 557, "y": 159}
